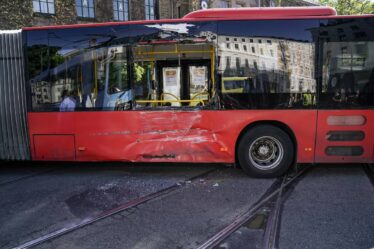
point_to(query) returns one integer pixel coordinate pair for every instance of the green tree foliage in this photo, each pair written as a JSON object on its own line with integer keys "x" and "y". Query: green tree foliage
{"x": 350, "y": 7}
{"x": 139, "y": 73}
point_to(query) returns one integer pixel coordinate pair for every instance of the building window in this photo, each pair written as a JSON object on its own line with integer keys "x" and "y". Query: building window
{"x": 237, "y": 46}
{"x": 44, "y": 6}
{"x": 85, "y": 8}
{"x": 227, "y": 45}
{"x": 237, "y": 63}
{"x": 121, "y": 10}
{"x": 149, "y": 9}
{"x": 228, "y": 61}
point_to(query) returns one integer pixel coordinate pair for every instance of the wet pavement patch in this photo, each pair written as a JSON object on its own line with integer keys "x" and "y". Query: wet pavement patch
{"x": 94, "y": 201}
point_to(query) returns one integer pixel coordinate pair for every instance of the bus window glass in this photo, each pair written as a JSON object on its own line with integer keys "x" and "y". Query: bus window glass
{"x": 117, "y": 92}
{"x": 173, "y": 64}
{"x": 348, "y": 64}
{"x": 77, "y": 69}
{"x": 278, "y": 73}
{"x": 37, "y": 65}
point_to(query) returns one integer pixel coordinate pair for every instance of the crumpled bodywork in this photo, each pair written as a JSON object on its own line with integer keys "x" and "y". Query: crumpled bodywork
{"x": 160, "y": 136}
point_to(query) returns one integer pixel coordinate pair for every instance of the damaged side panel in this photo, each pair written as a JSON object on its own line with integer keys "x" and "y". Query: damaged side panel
{"x": 164, "y": 136}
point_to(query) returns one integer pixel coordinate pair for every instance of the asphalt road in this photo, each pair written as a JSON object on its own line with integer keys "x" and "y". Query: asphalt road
{"x": 330, "y": 206}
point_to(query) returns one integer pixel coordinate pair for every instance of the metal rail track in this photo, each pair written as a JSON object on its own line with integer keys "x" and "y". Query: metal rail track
{"x": 111, "y": 212}
{"x": 273, "y": 221}
{"x": 271, "y": 230}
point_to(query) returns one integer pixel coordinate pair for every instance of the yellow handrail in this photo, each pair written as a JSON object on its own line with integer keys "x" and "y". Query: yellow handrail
{"x": 169, "y": 101}
{"x": 163, "y": 94}
{"x": 197, "y": 94}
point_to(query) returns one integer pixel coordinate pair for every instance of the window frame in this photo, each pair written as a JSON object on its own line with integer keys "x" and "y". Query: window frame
{"x": 47, "y": 3}
{"x": 147, "y": 9}
{"x": 117, "y": 11}
{"x": 79, "y": 8}
{"x": 325, "y": 97}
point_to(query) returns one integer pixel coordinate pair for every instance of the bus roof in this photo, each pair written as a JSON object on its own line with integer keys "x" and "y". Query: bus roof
{"x": 275, "y": 12}
{"x": 227, "y": 14}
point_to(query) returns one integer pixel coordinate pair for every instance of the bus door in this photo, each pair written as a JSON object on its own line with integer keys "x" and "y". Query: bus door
{"x": 345, "y": 122}
{"x": 184, "y": 84}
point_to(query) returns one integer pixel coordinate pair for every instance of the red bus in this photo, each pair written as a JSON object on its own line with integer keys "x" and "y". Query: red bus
{"x": 264, "y": 87}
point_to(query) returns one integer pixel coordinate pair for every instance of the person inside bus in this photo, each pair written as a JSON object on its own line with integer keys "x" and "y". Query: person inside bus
{"x": 68, "y": 103}
{"x": 345, "y": 88}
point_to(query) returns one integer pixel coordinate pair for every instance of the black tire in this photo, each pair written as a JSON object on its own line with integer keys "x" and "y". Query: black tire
{"x": 265, "y": 151}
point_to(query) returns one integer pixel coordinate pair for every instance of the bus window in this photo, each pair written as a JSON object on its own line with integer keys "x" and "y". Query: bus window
{"x": 118, "y": 77}
{"x": 68, "y": 64}
{"x": 173, "y": 64}
{"x": 348, "y": 73}
{"x": 348, "y": 66}
{"x": 278, "y": 73}
{"x": 37, "y": 64}
{"x": 117, "y": 94}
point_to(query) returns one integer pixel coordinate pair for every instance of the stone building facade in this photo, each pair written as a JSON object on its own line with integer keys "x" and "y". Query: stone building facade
{"x": 15, "y": 14}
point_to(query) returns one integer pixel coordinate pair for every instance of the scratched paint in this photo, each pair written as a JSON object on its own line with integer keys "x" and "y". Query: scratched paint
{"x": 167, "y": 136}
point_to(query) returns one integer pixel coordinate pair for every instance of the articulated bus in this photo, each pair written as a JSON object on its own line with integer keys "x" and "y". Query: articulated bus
{"x": 261, "y": 87}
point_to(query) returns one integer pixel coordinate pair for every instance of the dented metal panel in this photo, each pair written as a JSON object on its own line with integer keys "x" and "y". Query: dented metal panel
{"x": 197, "y": 136}
{"x": 14, "y": 143}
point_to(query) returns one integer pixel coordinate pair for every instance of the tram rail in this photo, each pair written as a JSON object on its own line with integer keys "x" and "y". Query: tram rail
{"x": 272, "y": 199}
{"x": 106, "y": 214}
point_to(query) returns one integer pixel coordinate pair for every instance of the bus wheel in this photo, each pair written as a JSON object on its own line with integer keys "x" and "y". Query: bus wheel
{"x": 265, "y": 151}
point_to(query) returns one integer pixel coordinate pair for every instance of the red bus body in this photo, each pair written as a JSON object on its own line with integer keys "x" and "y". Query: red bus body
{"x": 196, "y": 135}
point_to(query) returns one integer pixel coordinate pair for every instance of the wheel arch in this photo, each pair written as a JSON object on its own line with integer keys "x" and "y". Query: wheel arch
{"x": 276, "y": 123}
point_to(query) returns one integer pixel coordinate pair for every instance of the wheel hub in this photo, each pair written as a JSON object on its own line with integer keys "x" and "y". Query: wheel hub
{"x": 263, "y": 150}
{"x": 266, "y": 152}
